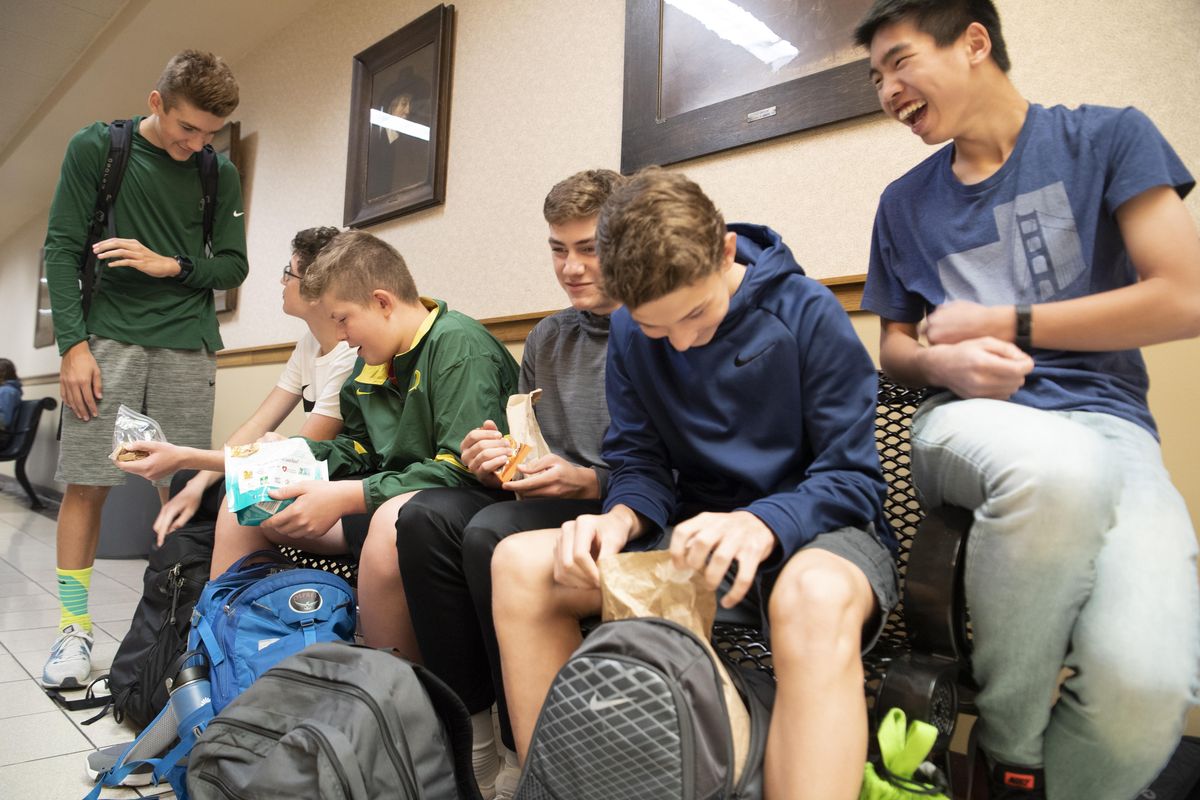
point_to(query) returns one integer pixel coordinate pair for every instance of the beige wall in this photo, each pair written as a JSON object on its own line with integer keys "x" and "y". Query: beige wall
{"x": 537, "y": 95}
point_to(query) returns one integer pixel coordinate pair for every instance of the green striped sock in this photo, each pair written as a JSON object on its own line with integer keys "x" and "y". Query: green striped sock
{"x": 73, "y": 585}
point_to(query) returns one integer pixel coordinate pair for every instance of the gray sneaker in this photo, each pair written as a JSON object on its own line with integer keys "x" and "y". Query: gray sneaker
{"x": 70, "y": 660}
{"x": 100, "y": 761}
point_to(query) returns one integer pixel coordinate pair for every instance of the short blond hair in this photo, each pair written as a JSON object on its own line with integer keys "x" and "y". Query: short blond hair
{"x": 199, "y": 78}
{"x": 581, "y": 195}
{"x": 657, "y": 233}
{"x": 353, "y": 265}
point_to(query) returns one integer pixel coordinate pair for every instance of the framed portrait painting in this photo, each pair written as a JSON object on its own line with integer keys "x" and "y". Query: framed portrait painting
{"x": 399, "y": 120}
{"x": 702, "y": 76}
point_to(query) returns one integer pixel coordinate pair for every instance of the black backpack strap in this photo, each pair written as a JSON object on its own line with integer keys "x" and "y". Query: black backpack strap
{"x": 458, "y": 730}
{"x": 208, "y": 186}
{"x": 88, "y": 701}
{"x": 101, "y": 225}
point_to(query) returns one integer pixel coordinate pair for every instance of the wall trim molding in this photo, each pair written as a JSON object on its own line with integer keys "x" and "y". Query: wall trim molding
{"x": 510, "y": 330}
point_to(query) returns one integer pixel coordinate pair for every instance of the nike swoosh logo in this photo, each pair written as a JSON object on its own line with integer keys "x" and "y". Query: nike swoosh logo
{"x": 360, "y": 392}
{"x": 239, "y": 213}
{"x": 741, "y": 361}
{"x": 596, "y": 704}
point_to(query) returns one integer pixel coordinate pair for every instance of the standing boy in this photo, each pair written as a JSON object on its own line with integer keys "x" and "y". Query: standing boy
{"x": 743, "y": 410}
{"x": 1037, "y": 252}
{"x": 150, "y": 336}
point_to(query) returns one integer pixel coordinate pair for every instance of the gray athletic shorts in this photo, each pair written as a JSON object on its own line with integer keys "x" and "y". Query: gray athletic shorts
{"x": 174, "y": 387}
{"x": 862, "y": 548}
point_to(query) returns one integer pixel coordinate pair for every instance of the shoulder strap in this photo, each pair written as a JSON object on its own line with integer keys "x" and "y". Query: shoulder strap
{"x": 120, "y": 136}
{"x": 458, "y": 729}
{"x": 208, "y": 185}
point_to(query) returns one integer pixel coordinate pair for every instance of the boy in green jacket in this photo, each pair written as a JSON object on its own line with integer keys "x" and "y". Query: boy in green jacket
{"x": 424, "y": 378}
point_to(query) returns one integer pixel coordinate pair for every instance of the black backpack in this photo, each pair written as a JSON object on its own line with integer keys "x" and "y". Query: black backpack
{"x": 103, "y": 226}
{"x": 638, "y": 713}
{"x": 338, "y": 720}
{"x": 158, "y": 634}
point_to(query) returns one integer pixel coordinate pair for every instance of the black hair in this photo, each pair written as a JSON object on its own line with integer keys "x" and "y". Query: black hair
{"x": 309, "y": 242}
{"x": 944, "y": 20}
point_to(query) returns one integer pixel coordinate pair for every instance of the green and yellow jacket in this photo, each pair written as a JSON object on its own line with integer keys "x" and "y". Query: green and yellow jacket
{"x": 402, "y": 429}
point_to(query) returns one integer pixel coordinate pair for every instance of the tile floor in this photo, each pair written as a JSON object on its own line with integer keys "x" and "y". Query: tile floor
{"x": 43, "y": 747}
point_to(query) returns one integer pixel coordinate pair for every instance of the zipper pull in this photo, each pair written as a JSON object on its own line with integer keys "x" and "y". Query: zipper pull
{"x": 177, "y": 584}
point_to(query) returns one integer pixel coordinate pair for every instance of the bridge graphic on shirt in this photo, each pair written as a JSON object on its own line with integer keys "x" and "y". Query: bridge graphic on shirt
{"x": 1038, "y": 256}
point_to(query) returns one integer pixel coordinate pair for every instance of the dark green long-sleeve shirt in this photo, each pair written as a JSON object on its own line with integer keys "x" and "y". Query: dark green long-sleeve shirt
{"x": 159, "y": 205}
{"x": 403, "y": 428}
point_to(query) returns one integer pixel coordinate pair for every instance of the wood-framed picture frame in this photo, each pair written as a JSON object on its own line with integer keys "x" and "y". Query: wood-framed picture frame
{"x": 702, "y": 77}
{"x": 399, "y": 121}
{"x": 228, "y": 142}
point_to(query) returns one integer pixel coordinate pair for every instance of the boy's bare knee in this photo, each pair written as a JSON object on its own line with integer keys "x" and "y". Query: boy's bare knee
{"x": 819, "y": 603}
{"x": 522, "y": 572}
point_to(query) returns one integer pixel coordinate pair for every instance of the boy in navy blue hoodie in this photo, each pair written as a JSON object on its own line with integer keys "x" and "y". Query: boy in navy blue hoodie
{"x": 742, "y": 432}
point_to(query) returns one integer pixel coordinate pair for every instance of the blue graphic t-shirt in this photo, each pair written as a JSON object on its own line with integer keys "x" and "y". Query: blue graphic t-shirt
{"x": 1042, "y": 228}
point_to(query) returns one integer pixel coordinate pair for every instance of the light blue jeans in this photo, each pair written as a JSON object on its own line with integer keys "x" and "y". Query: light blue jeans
{"x": 1082, "y": 555}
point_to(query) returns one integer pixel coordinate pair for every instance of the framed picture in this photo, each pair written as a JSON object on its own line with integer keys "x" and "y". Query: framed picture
{"x": 43, "y": 325}
{"x": 399, "y": 121}
{"x": 703, "y": 76}
{"x": 228, "y": 143}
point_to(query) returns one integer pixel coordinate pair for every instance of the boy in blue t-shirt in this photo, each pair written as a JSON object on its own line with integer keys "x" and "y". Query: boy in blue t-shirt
{"x": 1035, "y": 254}
{"x": 742, "y": 419}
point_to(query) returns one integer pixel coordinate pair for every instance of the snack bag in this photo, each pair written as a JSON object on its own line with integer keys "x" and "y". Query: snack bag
{"x": 648, "y": 584}
{"x": 253, "y": 470}
{"x": 130, "y": 427}
{"x": 524, "y": 434}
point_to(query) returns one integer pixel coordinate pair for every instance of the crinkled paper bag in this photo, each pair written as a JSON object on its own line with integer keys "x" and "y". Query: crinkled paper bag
{"x": 649, "y": 585}
{"x": 524, "y": 433}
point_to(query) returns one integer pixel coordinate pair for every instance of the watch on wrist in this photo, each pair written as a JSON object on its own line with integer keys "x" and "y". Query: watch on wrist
{"x": 186, "y": 265}
{"x": 1024, "y": 337}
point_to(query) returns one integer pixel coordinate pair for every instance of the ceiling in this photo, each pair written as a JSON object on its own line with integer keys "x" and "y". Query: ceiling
{"x": 40, "y": 40}
{"x": 67, "y": 63}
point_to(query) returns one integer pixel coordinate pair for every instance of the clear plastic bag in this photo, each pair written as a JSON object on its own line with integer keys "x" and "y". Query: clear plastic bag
{"x": 131, "y": 427}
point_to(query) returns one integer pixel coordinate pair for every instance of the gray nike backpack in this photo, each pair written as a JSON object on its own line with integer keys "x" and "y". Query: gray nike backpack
{"x": 341, "y": 721}
{"x": 638, "y": 713}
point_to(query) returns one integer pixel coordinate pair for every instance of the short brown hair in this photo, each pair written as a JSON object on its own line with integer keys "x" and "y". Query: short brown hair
{"x": 657, "y": 233}
{"x": 309, "y": 242}
{"x": 8, "y": 370}
{"x": 353, "y": 265}
{"x": 200, "y": 78}
{"x": 581, "y": 195}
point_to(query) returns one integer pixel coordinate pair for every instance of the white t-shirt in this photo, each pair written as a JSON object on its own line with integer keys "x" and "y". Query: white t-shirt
{"x": 318, "y": 379}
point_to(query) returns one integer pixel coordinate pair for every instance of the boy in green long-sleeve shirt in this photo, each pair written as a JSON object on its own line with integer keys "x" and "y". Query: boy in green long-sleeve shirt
{"x": 424, "y": 378}
{"x": 149, "y": 338}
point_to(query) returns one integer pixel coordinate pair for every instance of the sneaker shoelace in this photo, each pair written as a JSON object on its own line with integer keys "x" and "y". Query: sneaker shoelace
{"x": 71, "y": 647}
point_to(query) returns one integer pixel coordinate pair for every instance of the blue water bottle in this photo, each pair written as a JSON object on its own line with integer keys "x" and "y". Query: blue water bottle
{"x": 191, "y": 698}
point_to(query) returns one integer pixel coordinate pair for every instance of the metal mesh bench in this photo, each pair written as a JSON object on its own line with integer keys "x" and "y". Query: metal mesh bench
{"x": 920, "y": 661}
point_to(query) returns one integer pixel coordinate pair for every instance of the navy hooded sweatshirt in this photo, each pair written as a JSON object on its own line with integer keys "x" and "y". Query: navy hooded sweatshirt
{"x": 775, "y": 415}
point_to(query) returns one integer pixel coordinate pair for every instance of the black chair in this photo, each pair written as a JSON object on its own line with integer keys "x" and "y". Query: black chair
{"x": 921, "y": 662}
{"x": 20, "y": 441}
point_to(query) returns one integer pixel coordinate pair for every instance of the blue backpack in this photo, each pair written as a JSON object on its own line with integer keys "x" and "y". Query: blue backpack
{"x": 246, "y": 621}
{"x": 254, "y": 616}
